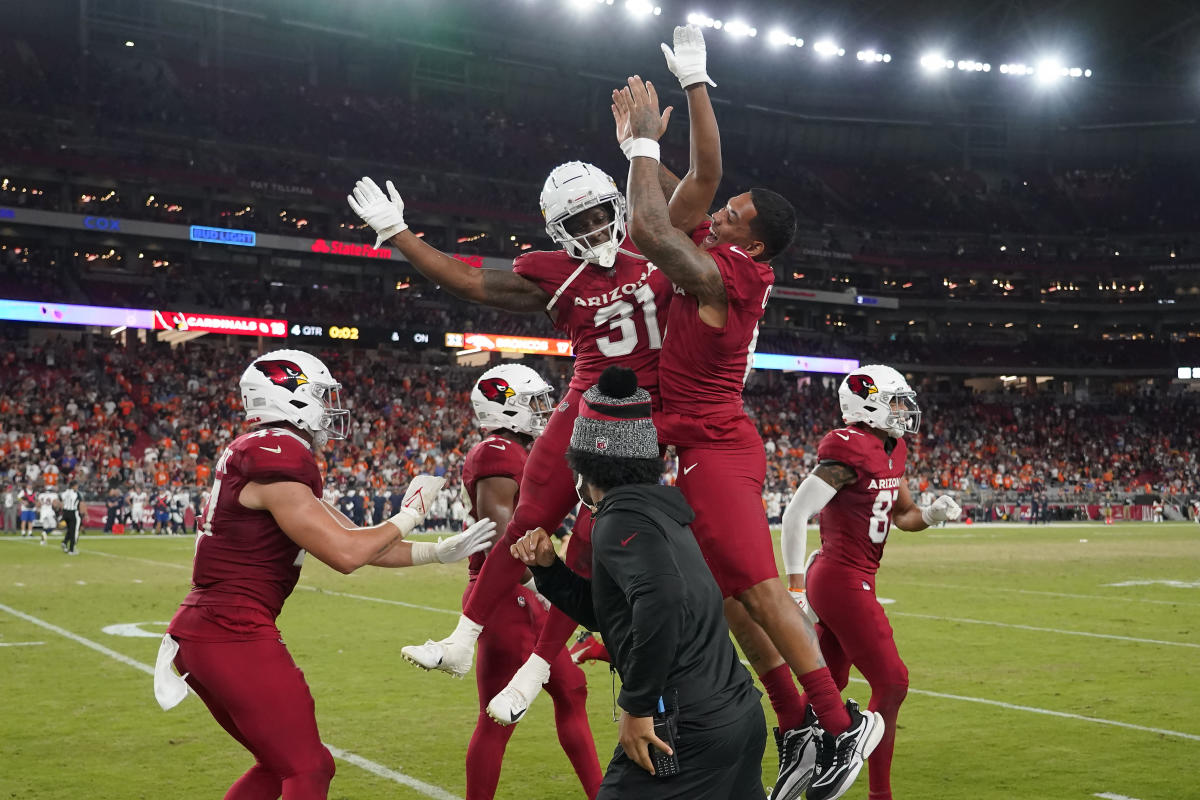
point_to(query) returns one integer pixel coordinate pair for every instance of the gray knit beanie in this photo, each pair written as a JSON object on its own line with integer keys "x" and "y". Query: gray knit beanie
{"x": 615, "y": 418}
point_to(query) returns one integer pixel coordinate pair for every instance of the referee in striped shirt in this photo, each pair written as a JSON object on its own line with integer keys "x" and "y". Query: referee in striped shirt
{"x": 73, "y": 509}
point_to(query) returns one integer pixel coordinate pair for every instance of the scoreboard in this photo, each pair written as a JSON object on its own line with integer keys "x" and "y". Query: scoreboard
{"x": 362, "y": 335}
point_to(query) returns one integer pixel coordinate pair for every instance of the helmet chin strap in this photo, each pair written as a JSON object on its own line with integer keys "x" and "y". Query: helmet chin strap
{"x": 320, "y": 439}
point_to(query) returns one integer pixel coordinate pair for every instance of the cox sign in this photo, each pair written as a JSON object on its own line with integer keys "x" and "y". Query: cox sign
{"x": 102, "y": 224}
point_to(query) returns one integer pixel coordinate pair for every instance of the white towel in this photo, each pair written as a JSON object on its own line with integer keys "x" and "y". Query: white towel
{"x": 169, "y": 689}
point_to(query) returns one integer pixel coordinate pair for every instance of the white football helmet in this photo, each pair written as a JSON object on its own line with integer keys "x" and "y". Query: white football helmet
{"x": 574, "y": 187}
{"x": 295, "y": 387}
{"x": 880, "y": 397}
{"x": 512, "y": 397}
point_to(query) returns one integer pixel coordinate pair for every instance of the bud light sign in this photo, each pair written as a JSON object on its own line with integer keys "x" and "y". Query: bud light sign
{"x": 201, "y": 233}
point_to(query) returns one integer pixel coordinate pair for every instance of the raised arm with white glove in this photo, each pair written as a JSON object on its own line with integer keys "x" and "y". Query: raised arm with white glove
{"x": 689, "y": 60}
{"x": 384, "y": 213}
{"x": 943, "y": 509}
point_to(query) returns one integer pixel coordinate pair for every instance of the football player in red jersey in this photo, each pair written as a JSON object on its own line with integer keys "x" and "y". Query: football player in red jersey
{"x": 264, "y": 513}
{"x": 512, "y": 404}
{"x": 611, "y": 303}
{"x": 860, "y": 491}
{"x": 723, "y": 279}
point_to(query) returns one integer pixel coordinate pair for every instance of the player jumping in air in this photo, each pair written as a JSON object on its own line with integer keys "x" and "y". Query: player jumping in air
{"x": 265, "y": 512}
{"x": 859, "y": 489}
{"x": 723, "y": 279}
{"x": 512, "y": 404}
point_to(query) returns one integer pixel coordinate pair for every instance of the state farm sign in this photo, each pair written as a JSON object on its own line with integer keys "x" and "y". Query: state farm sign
{"x": 348, "y": 249}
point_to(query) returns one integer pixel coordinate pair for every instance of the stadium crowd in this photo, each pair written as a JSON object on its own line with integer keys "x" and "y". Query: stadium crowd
{"x": 143, "y": 426}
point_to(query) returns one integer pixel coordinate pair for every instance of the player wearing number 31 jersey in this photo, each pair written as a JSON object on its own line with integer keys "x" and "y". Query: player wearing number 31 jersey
{"x": 859, "y": 489}
{"x": 612, "y": 304}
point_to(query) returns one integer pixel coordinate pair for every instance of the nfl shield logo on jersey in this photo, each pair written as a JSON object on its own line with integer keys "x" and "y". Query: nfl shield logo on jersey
{"x": 601, "y": 443}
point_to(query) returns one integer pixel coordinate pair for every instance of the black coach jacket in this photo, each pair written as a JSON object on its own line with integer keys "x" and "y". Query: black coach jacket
{"x": 658, "y": 607}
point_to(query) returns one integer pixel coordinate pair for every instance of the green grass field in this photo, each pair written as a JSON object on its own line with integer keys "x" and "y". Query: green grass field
{"x": 1032, "y": 674}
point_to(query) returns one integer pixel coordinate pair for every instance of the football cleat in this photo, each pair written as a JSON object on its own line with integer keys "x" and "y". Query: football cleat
{"x": 446, "y": 655}
{"x": 514, "y": 700}
{"x": 797, "y": 758}
{"x": 840, "y": 760}
{"x": 588, "y": 648}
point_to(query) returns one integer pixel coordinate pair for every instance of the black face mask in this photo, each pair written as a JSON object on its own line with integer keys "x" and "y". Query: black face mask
{"x": 579, "y": 493}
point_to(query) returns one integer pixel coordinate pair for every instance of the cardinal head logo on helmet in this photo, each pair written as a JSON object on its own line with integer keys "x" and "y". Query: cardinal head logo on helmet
{"x": 862, "y": 385}
{"x": 496, "y": 389}
{"x": 282, "y": 373}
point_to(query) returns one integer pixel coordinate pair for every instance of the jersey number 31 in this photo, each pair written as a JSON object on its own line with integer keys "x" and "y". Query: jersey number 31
{"x": 619, "y": 317}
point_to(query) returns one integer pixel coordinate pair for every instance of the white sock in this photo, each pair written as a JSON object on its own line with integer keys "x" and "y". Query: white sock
{"x": 467, "y": 631}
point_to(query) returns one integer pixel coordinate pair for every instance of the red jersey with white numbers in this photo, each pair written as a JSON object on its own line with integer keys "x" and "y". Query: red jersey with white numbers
{"x": 494, "y": 457}
{"x": 243, "y": 558}
{"x": 703, "y": 369}
{"x": 613, "y": 317}
{"x": 855, "y": 523}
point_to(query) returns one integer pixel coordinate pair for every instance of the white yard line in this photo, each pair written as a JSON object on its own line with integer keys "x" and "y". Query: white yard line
{"x": 986, "y": 588}
{"x": 19, "y": 644}
{"x": 1111, "y": 796}
{"x": 378, "y": 600}
{"x": 1043, "y": 630}
{"x": 427, "y": 789}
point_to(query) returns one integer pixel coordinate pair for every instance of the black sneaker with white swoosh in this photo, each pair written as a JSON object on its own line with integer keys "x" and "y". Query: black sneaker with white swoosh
{"x": 797, "y": 758}
{"x": 840, "y": 760}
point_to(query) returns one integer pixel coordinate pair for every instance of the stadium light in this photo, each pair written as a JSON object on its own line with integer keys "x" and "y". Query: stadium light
{"x": 873, "y": 57}
{"x": 642, "y": 8}
{"x": 737, "y": 28}
{"x": 932, "y": 62}
{"x": 1050, "y": 71}
{"x": 128, "y": 43}
{"x": 780, "y": 37}
{"x": 827, "y": 49}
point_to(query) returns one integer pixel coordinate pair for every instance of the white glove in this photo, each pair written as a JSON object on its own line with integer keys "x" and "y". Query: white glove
{"x": 941, "y": 510}
{"x": 473, "y": 540}
{"x": 385, "y": 215}
{"x": 688, "y": 62}
{"x": 420, "y": 495}
{"x": 801, "y": 598}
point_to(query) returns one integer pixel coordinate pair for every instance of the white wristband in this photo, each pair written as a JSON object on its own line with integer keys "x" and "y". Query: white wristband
{"x": 424, "y": 553}
{"x": 929, "y": 523}
{"x": 646, "y": 148}
{"x": 406, "y": 520}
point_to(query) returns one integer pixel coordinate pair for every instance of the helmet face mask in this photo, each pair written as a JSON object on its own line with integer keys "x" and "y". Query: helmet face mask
{"x": 573, "y": 188}
{"x": 512, "y": 397}
{"x": 879, "y": 397}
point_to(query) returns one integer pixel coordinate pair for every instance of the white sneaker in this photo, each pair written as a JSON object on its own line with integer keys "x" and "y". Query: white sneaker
{"x": 514, "y": 700}
{"x": 446, "y": 655}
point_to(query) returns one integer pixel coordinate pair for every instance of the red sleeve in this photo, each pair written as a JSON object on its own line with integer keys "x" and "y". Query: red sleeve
{"x": 844, "y": 446}
{"x": 278, "y": 458}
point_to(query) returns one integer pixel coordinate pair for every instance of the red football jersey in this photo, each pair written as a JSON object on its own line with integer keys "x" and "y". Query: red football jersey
{"x": 494, "y": 457}
{"x": 613, "y": 317}
{"x": 242, "y": 556}
{"x": 855, "y": 524}
{"x": 703, "y": 369}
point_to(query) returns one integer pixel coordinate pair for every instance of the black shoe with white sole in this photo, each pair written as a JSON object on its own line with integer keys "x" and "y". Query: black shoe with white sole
{"x": 797, "y": 758}
{"x": 840, "y": 760}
